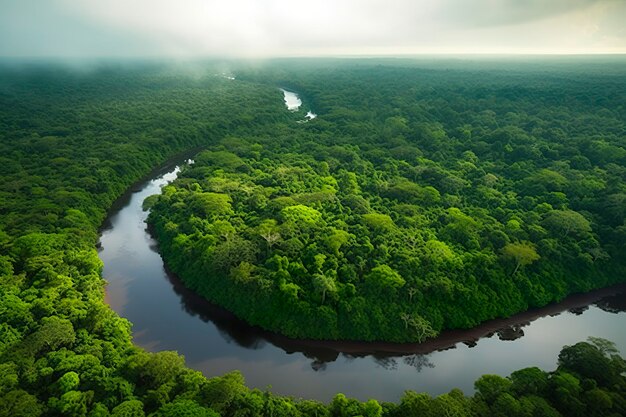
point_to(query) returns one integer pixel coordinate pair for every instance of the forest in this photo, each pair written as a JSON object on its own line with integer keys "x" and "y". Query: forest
{"x": 426, "y": 201}
{"x": 421, "y": 198}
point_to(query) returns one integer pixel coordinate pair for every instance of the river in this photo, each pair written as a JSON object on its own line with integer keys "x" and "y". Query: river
{"x": 166, "y": 316}
{"x": 293, "y": 103}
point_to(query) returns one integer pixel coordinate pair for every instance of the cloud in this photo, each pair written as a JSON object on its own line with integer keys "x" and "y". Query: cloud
{"x": 509, "y": 12}
{"x": 297, "y": 27}
{"x": 34, "y": 28}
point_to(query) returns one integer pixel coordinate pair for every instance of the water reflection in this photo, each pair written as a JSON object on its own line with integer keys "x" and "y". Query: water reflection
{"x": 418, "y": 362}
{"x": 578, "y": 310}
{"x": 613, "y": 304}
{"x": 384, "y": 354}
{"x": 512, "y": 332}
{"x": 166, "y": 315}
{"x": 415, "y": 361}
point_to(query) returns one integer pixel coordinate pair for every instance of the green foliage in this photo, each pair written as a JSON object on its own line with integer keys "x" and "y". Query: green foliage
{"x": 405, "y": 211}
{"x": 529, "y": 381}
{"x": 348, "y": 407}
{"x": 597, "y": 360}
{"x": 383, "y": 277}
{"x": 210, "y": 205}
{"x": 567, "y": 222}
{"x": 68, "y": 381}
{"x": 382, "y": 219}
{"x": 521, "y": 253}
{"x": 184, "y": 408}
{"x": 381, "y": 223}
{"x": 130, "y": 408}
{"x": 489, "y": 387}
{"x": 19, "y": 403}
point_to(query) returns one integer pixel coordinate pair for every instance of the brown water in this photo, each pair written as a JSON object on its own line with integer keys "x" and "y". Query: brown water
{"x": 166, "y": 316}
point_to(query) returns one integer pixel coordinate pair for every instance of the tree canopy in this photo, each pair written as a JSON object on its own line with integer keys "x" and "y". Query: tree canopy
{"x": 399, "y": 211}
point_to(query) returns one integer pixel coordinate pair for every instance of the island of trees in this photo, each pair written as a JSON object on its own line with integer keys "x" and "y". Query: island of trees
{"x": 420, "y": 199}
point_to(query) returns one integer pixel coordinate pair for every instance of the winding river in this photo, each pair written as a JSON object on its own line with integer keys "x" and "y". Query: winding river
{"x": 166, "y": 316}
{"x": 293, "y": 103}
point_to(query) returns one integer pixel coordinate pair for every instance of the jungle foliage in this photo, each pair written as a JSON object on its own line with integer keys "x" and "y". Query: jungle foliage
{"x": 418, "y": 201}
{"x": 72, "y": 141}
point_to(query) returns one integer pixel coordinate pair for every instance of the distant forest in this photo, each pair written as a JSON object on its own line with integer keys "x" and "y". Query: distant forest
{"x": 425, "y": 196}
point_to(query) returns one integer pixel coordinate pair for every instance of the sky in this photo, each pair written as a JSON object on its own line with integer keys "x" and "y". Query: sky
{"x": 262, "y": 28}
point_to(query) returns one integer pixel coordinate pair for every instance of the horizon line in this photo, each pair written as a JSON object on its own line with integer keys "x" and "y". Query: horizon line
{"x": 174, "y": 57}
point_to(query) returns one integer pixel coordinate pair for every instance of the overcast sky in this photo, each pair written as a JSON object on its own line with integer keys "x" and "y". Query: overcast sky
{"x": 190, "y": 28}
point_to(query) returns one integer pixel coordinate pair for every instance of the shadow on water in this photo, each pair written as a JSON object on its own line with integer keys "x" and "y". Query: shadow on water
{"x": 613, "y": 304}
{"x": 214, "y": 341}
{"x": 386, "y": 355}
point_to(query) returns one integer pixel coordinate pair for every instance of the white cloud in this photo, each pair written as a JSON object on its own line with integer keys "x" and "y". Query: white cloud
{"x": 296, "y": 27}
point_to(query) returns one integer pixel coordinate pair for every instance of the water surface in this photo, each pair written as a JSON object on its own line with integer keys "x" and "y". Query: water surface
{"x": 166, "y": 316}
{"x": 292, "y": 101}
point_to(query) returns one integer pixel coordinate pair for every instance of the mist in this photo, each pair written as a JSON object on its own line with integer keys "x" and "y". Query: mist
{"x": 248, "y": 28}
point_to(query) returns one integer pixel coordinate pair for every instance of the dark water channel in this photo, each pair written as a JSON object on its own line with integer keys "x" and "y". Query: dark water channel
{"x": 168, "y": 317}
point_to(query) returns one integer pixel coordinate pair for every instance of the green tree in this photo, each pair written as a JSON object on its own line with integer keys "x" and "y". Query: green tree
{"x": 184, "y": 408}
{"x": 522, "y": 253}
{"x": 490, "y": 387}
{"x": 130, "y": 408}
{"x": 211, "y": 204}
{"x": 588, "y": 361}
{"x": 69, "y": 381}
{"x": 567, "y": 222}
{"x": 74, "y": 403}
{"x": 160, "y": 368}
{"x": 384, "y": 277}
{"x": 19, "y": 403}
{"x": 324, "y": 285}
{"x": 53, "y": 333}
{"x": 529, "y": 381}
{"x": 232, "y": 253}
{"x": 302, "y": 217}
{"x": 269, "y": 231}
{"x": 378, "y": 222}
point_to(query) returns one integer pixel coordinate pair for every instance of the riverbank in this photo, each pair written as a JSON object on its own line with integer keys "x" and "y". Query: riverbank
{"x": 166, "y": 315}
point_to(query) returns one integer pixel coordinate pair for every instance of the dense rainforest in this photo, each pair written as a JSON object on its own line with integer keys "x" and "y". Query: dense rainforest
{"x": 362, "y": 193}
{"x": 418, "y": 201}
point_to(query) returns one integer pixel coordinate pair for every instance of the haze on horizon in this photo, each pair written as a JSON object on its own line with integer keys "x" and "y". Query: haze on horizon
{"x": 249, "y": 28}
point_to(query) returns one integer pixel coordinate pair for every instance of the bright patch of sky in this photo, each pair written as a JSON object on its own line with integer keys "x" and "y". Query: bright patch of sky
{"x": 253, "y": 28}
